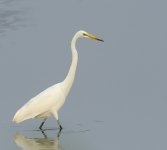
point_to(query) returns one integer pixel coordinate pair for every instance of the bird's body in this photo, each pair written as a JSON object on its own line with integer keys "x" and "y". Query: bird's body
{"x": 44, "y": 105}
{"x": 48, "y": 102}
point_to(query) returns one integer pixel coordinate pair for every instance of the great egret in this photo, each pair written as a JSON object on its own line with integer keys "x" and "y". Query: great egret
{"x": 48, "y": 102}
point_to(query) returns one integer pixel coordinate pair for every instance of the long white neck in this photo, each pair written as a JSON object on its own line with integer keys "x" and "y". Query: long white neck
{"x": 67, "y": 83}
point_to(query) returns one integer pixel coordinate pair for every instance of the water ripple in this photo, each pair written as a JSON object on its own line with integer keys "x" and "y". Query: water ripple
{"x": 12, "y": 15}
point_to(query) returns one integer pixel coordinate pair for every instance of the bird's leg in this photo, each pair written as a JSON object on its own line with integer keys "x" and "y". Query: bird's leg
{"x": 59, "y": 125}
{"x": 45, "y": 136}
{"x": 57, "y": 118}
{"x": 58, "y": 134}
{"x": 40, "y": 127}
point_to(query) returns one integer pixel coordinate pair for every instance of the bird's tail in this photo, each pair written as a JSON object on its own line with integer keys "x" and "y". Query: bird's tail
{"x": 17, "y": 117}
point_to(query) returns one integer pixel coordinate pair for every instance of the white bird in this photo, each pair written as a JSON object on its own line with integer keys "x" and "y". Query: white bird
{"x": 48, "y": 102}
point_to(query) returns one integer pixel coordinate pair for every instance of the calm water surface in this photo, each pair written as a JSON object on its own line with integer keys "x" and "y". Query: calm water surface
{"x": 18, "y": 20}
{"x": 119, "y": 98}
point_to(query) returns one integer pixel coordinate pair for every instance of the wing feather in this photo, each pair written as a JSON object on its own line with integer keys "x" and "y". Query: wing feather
{"x": 40, "y": 104}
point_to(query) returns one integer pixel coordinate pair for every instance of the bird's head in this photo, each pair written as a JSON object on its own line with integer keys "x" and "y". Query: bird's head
{"x": 88, "y": 35}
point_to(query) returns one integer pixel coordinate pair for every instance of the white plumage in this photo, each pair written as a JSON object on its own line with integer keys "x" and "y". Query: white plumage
{"x": 43, "y": 105}
{"x": 48, "y": 102}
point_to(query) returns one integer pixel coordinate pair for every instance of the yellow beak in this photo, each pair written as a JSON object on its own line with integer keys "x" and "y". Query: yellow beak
{"x": 93, "y": 37}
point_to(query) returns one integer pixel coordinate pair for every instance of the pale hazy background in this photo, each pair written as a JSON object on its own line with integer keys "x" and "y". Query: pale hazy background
{"x": 119, "y": 96}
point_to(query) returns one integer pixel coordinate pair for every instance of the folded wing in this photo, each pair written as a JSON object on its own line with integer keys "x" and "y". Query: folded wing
{"x": 44, "y": 102}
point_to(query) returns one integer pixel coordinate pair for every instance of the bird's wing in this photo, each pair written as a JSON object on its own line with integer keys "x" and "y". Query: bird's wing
{"x": 40, "y": 104}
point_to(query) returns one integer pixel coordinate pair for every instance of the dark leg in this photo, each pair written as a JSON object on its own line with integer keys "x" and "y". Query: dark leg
{"x": 59, "y": 125}
{"x": 40, "y": 127}
{"x": 45, "y": 136}
{"x": 58, "y": 134}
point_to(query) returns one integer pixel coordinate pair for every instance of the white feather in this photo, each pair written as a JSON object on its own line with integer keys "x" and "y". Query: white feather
{"x": 46, "y": 102}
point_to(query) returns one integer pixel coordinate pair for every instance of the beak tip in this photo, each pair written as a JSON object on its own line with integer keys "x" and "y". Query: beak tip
{"x": 101, "y": 40}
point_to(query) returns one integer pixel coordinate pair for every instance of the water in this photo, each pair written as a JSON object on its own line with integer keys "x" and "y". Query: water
{"x": 55, "y": 140}
{"x": 118, "y": 100}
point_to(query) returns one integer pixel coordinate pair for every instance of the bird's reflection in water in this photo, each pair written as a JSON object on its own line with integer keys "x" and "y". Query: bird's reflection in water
{"x": 44, "y": 143}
